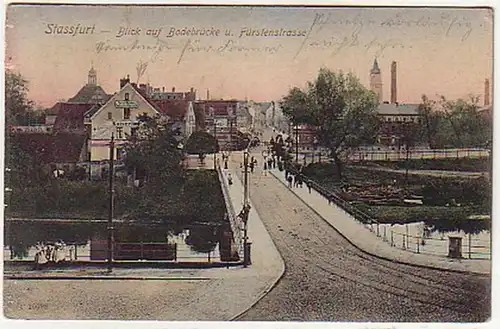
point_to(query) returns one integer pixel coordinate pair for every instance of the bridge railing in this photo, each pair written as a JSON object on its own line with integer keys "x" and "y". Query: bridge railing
{"x": 235, "y": 222}
{"x": 472, "y": 248}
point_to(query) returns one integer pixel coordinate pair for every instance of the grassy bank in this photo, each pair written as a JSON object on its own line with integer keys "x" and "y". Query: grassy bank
{"x": 447, "y": 201}
{"x": 195, "y": 198}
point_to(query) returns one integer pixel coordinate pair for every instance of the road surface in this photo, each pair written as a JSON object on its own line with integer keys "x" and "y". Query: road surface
{"x": 328, "y": 279}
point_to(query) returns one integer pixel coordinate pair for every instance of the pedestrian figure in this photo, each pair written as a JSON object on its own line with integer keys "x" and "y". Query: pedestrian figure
{"x": 252, "y": 166}
{"x": 225, "y": 164}
{"x": 269, "y": 163}
{"x": 300, "y": 181}
{"x": 289, "y": 179}
{"x": 295, "y": 181}
{"x": 274, "y": 163}
{"x": 229, "y": 179}
{"x": 309, "y": 185}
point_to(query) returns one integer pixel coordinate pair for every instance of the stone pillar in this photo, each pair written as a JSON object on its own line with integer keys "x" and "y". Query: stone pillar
{"x": 455, "y": 247}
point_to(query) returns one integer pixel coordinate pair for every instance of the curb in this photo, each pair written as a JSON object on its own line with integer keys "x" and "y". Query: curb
{"x": 273, "y": 284}
{"x": 102, "y": 277}
{"x": 375, "y": 255}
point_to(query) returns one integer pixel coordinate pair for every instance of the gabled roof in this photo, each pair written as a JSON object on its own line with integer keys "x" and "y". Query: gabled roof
{"x": 51, "y": 148}
{"x": 93, "y": 94}
{"x": 93, "y": 113}
{"x": 175, "y": 109}
{"x": 398, "y": 109}
{"x": 70, "y": 115}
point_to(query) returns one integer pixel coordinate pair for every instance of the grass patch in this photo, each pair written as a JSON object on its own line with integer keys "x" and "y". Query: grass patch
{"x": 473, "y": 195}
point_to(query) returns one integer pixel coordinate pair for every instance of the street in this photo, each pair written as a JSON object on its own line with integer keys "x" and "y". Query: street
{"x": 328, "y": 279}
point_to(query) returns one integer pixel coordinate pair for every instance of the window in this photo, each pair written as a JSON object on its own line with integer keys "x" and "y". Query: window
{"x": 126, "y": 113}
{"x": 119, "y": 132}
{"x": 389, "y": 119}
{"x": 127, "y": 96}
{"x": 110, "y": 116}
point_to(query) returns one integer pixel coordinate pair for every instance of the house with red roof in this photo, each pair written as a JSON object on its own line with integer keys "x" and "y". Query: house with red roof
{"x": 60, "y": 150}
{"x": 119, "y": 116}
{"x": 220, "y": 120}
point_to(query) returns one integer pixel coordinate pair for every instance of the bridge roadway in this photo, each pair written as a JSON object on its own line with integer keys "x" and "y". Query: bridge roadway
{"x": 328, "y": 279}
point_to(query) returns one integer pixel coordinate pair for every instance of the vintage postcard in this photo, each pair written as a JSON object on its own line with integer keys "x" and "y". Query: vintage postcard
{"x": 248, "y": 163}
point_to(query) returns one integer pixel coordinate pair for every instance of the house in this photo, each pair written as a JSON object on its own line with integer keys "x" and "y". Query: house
{"x": 118, "y": 116}
{"x": 220, "y": 120}
{"x": 393, "y": 119}
{"x": 71, "y": 116}
{"x": 60, "y": 150}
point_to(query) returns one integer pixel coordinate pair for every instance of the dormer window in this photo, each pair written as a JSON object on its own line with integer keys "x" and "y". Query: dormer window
{"x": 127, "y": 96}
{"x": 110, "y": 116}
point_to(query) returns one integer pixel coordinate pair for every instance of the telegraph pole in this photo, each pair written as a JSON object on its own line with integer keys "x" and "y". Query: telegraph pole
{"x": 215, "y": 136}
{"x": 111, "y": 202}
{"x": 297, "y": 144}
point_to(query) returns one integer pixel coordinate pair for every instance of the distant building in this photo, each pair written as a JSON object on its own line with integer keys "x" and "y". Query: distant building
{"x": 157, "y": 94}
{"x": 376, "y": 81}
{"x": 91, "y": 93}
{"x": 220, "y": 120}
{"x": 393, "y": 118}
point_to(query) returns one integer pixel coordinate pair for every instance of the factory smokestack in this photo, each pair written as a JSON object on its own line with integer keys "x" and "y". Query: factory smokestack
{"x": 394, "y": 83}
{"x": 486, "y": 92}
{"x": 208, "y": 94}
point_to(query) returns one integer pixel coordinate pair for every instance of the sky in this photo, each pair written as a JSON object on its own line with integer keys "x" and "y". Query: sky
{"x": 254, "y": 53}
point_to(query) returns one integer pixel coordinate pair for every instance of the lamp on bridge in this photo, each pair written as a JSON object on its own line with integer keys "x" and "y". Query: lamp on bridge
{"x": 245, "y": 212}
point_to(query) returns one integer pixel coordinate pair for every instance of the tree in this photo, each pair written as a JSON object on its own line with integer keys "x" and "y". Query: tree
{"x": 201, "y": 143}
{"x": 457, "y": 123}
{"x": 342, "y": 110}
{"x": 17, "y": 105}
{"x": 155, "y": 150}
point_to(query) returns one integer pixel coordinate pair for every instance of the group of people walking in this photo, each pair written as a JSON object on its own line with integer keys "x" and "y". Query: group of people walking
{"x": 297, "y": 180}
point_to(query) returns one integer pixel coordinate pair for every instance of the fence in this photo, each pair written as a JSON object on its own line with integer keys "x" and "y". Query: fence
{"x": 140, "y": 251}
{"x": 397, "y": 155}
{"x": 473, "y": 248}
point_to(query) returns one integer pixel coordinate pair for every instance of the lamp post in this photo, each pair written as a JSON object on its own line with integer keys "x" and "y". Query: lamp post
{"x": 245, "y": 211}
{"x": 111, "y": 202}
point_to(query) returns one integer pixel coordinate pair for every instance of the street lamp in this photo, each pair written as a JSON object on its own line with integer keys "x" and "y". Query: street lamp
{"x": 245, "y": 211}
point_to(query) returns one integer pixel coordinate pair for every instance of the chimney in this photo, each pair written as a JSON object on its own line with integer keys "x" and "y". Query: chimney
{"x": 208, "y": 94}
{"x": 173, "y": 89}
{"x": 124, "y": 81}
{"x": 486, "y": 92}
{"x": 192, "y": 90}
{"x": 162, "y": 89}
{"x": 394, "y": 83}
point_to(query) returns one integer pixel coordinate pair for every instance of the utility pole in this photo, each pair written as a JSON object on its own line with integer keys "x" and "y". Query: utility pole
{"x": 296, "y": 143}
{"x": 215, "y": 136}
{"x": 111, "y": 202}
